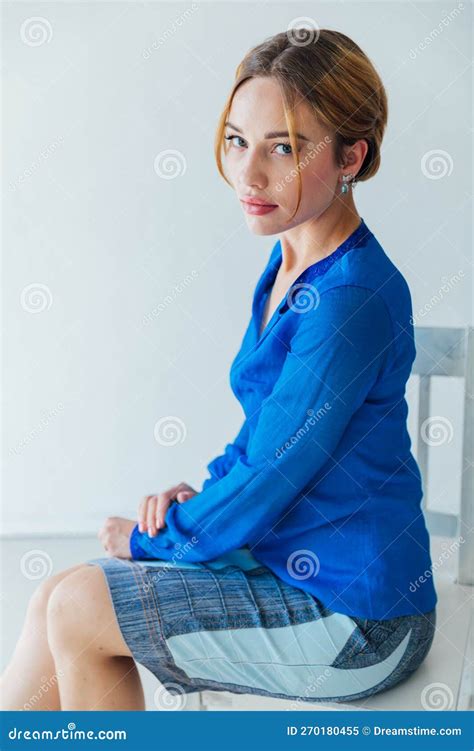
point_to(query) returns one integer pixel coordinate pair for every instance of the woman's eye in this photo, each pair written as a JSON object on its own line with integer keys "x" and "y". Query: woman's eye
{"x": 285, "y": 146}
{"x": 287, "y": 150}
{"x": 231, "y": 140}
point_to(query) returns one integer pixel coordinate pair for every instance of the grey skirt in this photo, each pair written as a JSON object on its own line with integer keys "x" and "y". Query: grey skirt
{"x": 232, "y": 625}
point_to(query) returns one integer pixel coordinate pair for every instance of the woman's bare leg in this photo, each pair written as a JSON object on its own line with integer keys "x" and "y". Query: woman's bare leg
{"x": 29, "y": 681}
{"x": 95, "y": 666}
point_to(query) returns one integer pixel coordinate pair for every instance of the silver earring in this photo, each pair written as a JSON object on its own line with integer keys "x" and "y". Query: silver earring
{"x": 345, "y": 180}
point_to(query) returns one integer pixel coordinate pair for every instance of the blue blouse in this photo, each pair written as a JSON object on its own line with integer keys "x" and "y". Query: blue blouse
{"x": 320, "y": 482}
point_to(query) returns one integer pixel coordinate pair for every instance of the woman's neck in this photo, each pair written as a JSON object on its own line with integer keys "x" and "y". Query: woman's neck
{"x": 317, "y": 238}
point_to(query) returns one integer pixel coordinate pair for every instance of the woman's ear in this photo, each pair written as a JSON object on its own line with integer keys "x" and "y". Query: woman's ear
{"x": 354, "y": 155}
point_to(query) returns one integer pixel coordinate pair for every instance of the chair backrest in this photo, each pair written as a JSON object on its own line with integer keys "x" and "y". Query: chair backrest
{"x": 448, "y": 352}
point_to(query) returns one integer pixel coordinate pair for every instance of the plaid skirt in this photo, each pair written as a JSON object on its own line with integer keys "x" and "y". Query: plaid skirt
{"x": 232, "y": 625}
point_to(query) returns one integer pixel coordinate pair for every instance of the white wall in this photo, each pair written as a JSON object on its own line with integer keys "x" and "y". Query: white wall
{"x": 87, "y": 216}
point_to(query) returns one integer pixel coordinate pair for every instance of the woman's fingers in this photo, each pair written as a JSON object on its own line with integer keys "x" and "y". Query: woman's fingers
{"x": 185, "y": 495}
{"x": 164, "y": 500}
{"x": 142, "y": 513}
{"x": 151, "y": 515}
{"x": 152, "y": 508}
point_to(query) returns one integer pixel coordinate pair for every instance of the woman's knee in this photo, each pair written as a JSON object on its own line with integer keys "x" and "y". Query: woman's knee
{"x": 38, "y": 604}
{"x": 81, "y": 618}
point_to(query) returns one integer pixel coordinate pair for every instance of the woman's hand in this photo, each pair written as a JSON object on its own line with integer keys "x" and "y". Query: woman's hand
{"x": 115, "y": 536}
{"x": 152, "y": 509}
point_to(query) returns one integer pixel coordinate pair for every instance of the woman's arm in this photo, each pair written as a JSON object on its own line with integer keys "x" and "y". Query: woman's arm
{"x": 335, "y": 357}
{"x": 222, "y": 464}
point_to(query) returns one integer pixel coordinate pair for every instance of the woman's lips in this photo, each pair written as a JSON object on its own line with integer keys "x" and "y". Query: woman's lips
{"x": 257, "y": 209}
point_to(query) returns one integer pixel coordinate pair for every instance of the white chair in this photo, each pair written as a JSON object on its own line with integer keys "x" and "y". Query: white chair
{"x": 447, "y": 670}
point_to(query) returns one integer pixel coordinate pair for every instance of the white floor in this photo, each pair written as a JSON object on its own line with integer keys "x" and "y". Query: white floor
{"x": 447, "y": 662}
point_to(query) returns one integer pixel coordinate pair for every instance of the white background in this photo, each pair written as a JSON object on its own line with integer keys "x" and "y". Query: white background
{"x": 85, "y": 214}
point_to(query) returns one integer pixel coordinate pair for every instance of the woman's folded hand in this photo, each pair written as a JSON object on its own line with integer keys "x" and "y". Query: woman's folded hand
{"x": 152, "y": 509}
{"x": 115, "y": 536}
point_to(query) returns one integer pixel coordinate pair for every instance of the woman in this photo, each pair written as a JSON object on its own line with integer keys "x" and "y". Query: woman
{"x": 294, "y": 572}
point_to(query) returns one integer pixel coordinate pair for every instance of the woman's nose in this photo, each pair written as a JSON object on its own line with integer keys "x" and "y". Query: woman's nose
{"x": 252, "y": 176}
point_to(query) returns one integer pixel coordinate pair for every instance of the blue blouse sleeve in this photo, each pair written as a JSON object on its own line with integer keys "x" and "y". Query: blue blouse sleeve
{"x": 335, "y": 356}
{"x": 223, "y": 463}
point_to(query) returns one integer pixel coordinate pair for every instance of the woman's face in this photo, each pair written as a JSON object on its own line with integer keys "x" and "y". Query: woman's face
{"x": 260, "y": 163}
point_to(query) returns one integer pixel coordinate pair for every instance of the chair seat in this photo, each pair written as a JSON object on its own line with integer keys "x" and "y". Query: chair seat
{"x": 444, "y": 663}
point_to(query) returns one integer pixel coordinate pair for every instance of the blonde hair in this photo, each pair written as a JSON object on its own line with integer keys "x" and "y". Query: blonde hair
{"x": 335, "y": 77}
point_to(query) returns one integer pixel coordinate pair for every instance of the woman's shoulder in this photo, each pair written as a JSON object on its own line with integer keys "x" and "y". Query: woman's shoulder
{"x": 345, "y": 308}
{"x": 368, "y": 266}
